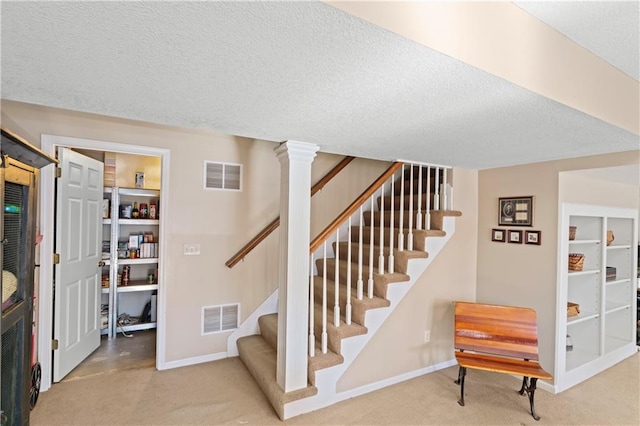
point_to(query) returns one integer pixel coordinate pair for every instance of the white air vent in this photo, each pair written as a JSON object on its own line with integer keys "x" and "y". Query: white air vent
{"x": 225, "y": 176}
{"x": 216, "y": 319}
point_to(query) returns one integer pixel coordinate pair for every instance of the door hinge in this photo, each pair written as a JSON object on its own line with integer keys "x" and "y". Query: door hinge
{"x": 56, "y": 258}
{"x": 54, "y": 344}
{"x": 58, "y": 172}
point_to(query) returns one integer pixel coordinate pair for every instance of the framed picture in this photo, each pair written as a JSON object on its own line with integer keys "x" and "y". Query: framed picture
{"x": 498, "y": 235}
{"x": 514, "y": 236}
{"x": 533, "y": 237}
{"x": 515, "y": 211}
{"x": 139, "y": 180}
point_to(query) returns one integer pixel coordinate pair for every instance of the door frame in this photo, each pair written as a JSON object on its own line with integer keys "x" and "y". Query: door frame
{"x": 49, "y": 143}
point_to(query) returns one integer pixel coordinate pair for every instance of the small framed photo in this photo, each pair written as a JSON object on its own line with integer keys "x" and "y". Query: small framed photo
{"x": 515, "y": 211}
{"x": 139, "y": 180}
{"x": 533, "y": 237}
{"x": 498, "y": 235}
{"x": 514, "y": 236}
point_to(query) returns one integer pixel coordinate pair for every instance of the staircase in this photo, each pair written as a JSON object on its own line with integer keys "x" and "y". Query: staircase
{"x": 376, "y": 256}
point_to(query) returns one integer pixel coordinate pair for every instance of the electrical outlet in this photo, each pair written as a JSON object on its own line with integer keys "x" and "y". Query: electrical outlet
{"x": 427, "y": 336}
{"x": 191, "y": 249}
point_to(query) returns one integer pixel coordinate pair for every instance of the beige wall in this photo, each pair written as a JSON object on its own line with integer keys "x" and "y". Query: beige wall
{"x": 399, "y": 346}
{"x": 220, "y": 221}
{"x": 526, "y": 275}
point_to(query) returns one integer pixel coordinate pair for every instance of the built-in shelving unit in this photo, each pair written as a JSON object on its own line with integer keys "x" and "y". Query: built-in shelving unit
{"x": 603, "y": 333}
{"x": 126, "y": 301}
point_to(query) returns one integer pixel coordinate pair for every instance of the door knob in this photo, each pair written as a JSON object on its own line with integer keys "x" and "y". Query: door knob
{"x": 101, "y": 263}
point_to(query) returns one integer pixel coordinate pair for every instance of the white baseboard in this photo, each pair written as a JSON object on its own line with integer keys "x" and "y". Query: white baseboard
{"x": 394, "y": 380}
{"x": 193, "y": 361}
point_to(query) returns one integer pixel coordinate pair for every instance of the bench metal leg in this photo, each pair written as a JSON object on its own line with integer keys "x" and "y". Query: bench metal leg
{"x": 524, "y": 385}
{"x": 462, "y": 372}
{"x": 530, "y": 388}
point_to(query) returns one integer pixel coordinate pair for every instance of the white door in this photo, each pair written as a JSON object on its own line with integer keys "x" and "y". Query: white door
{"x": 76, "y": 324}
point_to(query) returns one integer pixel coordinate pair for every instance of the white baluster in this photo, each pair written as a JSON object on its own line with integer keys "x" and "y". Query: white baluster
{"x": 348, "y": 306}
{"x": 410, "y": 233}
{"x": 401, "y": 225}
{"x": 312, "y": 337}
{"x": 336, "y": 272}
{"x": 391, "y": 266}
{"x": 324, "y": 299}
{"x": 444, "y": 189}
{"x": 381, "y": 256}
{"x": 370, "y": 282}
{"x": 428, "y": 224}
{"x": 436, "y": 197}
{"x": 359, "y": 284}
{"x": 419, "y": 214}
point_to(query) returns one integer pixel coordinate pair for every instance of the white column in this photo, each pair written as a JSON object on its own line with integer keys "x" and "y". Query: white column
{"x": 293, "y": 307}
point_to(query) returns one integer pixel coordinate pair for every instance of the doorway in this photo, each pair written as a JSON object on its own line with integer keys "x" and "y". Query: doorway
{"x": 49, "y": 144}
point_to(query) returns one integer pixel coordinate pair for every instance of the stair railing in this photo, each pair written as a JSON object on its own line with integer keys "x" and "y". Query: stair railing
{"x": 240, "y": 255}
{"x": 352, "y": 218}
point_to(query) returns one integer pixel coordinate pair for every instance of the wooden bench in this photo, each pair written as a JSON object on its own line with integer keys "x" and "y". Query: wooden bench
{"x": 498, "y": 338}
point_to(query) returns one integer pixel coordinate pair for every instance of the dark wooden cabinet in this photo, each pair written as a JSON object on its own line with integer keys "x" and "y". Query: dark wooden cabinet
{"x": 19, "y": 166}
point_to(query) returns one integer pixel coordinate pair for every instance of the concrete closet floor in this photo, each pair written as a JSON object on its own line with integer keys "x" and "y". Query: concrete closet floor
{"x": 121, "y": 353}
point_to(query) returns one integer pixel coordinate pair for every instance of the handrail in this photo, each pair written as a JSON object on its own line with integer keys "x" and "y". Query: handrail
{"x": 353, "y": 207}
{"x": 276, "y": 222}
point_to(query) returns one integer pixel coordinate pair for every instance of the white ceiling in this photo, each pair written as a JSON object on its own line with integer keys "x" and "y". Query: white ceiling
{"x": 305, "y": 71}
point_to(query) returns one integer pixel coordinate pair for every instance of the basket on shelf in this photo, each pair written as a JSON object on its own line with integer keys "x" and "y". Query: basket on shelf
{"x": 610, "y": 237}
{"x": 573, "y": 309}
{"x": 576, "y": 261}
{"x": 572, "y": 232}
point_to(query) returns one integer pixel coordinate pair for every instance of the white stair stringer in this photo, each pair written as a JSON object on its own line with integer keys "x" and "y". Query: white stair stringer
{"x": 327, "y": 379}
{"x": 250, "y": 326}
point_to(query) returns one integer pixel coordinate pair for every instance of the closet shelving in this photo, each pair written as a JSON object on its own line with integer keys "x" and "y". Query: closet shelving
{"x": 126, "y": 303}
{"x": 604, "y": 331}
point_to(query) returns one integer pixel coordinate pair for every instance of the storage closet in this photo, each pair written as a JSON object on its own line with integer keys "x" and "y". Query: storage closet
{"x": 131, "y": 252}
{"x": 130, "y": 242}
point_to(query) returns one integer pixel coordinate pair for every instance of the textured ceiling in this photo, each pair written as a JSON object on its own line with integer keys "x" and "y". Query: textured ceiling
{"x": 285, "y": 70}
{"x": 610, "y": 30}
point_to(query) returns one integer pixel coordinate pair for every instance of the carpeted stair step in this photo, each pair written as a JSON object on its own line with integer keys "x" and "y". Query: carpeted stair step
{"x": 321, "y": 361}
{"x": 269, "y": 329}
{"x": 368, "y": 216}
{"x": 334, "y": 334}
{"x": 269, "y": 332}
{"x": 380, "y": 281}
{"x": 358, "y": 307}
{"x": 419, "y": 236}
{"x": 260, "y": 359}
{"x": 437, "y": 217}
{"x": 397, "y": 201}
{"x": 400, "y": 258}
{"x": 398, "y": 187}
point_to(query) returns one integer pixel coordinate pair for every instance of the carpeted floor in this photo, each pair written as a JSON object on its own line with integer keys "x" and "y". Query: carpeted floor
{"x": 223, "y": 392}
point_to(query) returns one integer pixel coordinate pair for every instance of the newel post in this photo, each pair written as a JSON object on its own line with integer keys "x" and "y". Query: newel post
{"x": 293, "y": 306}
